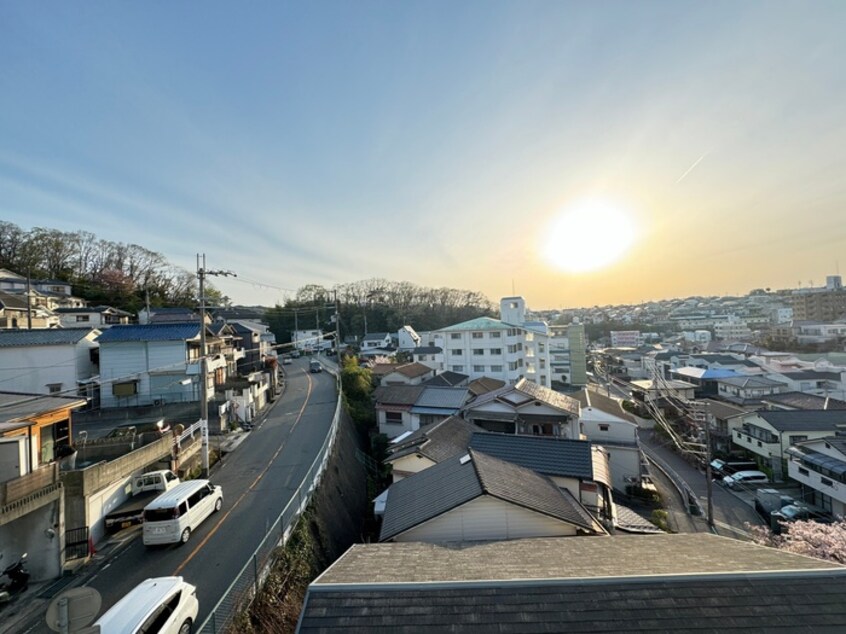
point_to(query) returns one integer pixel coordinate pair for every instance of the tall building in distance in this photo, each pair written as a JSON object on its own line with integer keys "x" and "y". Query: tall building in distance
{"x": 578, "y": 358}
{"x": 827, "y": 303}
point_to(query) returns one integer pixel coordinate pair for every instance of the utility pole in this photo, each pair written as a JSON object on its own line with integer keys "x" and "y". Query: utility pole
{"x": 204, "y": 384}
{"x": 28, "y": 301}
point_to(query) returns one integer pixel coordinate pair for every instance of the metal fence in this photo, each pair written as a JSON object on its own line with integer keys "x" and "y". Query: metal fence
{"x": 249, "y": 580}
{"x": 687, "y": 494}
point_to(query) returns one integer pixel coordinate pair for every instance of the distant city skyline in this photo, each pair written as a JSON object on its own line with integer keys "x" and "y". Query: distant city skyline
{"x": 438, "y": 143}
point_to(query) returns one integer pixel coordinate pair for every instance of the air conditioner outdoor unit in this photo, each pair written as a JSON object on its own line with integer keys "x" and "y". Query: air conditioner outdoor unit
{"x": 158, "y": 402}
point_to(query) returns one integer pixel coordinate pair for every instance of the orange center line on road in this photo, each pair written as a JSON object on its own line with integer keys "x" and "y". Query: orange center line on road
{"x": 250, "y": 488}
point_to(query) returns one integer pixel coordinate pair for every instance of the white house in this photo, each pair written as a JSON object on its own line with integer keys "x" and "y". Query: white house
{"x": 820, "y": 467}
{"x": 48, "y": 361}
{"x": 94, "y": 316}
{"x": 475, "y": 497}
{"x": 304, "y": 340}
{"x": 407, "y": 338}
{"x": 377, "y": 341}
{"x": 154, "y": 364}
{"x": 746, "y": 388}
{"x": 616, "y": 435}
{"x": 769, "y": 434}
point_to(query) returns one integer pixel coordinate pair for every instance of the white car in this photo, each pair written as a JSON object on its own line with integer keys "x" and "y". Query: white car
{"x": 167, "y": 605}
{"x": 745, "y": 478}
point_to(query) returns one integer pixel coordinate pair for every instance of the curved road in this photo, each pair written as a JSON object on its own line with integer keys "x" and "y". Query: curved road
{"x": 259, "y": 478}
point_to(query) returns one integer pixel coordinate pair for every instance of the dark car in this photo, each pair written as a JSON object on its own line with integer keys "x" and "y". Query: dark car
{"x": 315, "y": 366}
{"x": 797, "y": 512}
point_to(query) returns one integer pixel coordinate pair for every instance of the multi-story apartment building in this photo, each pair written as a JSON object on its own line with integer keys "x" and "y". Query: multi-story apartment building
{"x": 509, "y": 348}
{"x": 827, "y": 303}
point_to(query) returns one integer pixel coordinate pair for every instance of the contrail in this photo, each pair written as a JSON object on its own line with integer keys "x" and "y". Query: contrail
{"x": 690, "y": 169}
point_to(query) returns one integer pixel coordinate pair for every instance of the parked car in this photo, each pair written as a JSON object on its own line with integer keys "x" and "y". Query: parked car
{"x": 167, "y": 605}
{"x": 745, "y": 478}
{"x": 286, "y": 360}
{"x": 723, "y": 468}
{"x": 798, "y": 512}
{"x": 295, "y": 354}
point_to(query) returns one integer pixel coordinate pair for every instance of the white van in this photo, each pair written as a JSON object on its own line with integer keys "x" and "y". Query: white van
{"x": 167, "y": 605}
{"x": 745, "y": 478}
{"x": 172, "y": 516}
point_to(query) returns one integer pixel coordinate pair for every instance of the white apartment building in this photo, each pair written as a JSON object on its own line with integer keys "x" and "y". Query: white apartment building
{"x": 733, "y": 328}
{"x": 307, "y": 339}
{"x": 508, "y": 349}
{"x": 625, "y": 338}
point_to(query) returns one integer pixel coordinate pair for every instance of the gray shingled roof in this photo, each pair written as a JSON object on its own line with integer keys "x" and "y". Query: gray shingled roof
{"x": 446, "y": 379}
{"x": 397, "y": 394}
{"x": 812, "y": 603}
{"x": 800, "y": 400}
{"x": 531, "y": 391}
{"x": 751, "y": 382}
{"x": 649, "y": 583}
{"x": 544, "y": 454}
{"x": 438, "y": 441}
{"x": 42, "y": 336}
{"x": 449, "y": 484}
{"x": 449, "y": 397}
{"x": 11, "y": 300}
{"x": 804, "y": 419}
{"x": 21, "y": 405}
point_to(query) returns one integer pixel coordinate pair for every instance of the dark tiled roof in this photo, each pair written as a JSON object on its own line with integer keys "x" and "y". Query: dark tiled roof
{"x": 438, "y": 442}
{"x": 20, "y": 405}
{"x": 547, "y": 455}
{"x": 92, "y": 309}
{"x": 812, "y": 375}
{"x": 751, "y": 382}
{"x": 375, "y": 336}
{"x": 397, "y": 394}
{"x": 484, "y": 384}
{"x": 808, "y": 604}
{"x": 804, "y": 419}
{"x": 800, "y": 400}
{"x": 427, "y": 350}
{"x": 413, "y": 370}
{"x": 448, "y": 484}
{"x": 724, "y": 410}
{"x": 42, "y": 336}
{"x": 448, "y": 397}
{"x": 10, "y": 300}
{"x": 446, "y": 379}
{"x": 151, "y": 332}
{"x": 647, "y": 583}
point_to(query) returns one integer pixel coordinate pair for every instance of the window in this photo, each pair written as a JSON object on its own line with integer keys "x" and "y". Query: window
{"x": 54, "y": 388}
{"x": 603, "y": 428}
{"x": 496, "y": 351}
{"x": 496, "y": 335}
{"x": 496, "y": 368}
{"x": 82, "y": 318}
{"x": 478, "y": 335}
{"x": 455, "y": 352}
{"x": 797, "y": 438}
{"x": 393, "y": 418}
{"x": 455, "y": 335}
{"x": 541, "y": 347}
{"x": 804, "y": 472}
{"x": 478, "y": 368}
{"x": 826, "y": 482}
{"x": 129, "y": 388}
{"x": 478, "y": 351}
{"x": 458, "y": 368}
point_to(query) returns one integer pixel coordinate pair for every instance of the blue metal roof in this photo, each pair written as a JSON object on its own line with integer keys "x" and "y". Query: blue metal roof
{"x": 42, "y": 336}
{"x": 151, "y": 332}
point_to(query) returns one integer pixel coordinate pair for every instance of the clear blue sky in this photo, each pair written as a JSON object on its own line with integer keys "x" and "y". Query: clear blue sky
{"x": 325, "y": 142}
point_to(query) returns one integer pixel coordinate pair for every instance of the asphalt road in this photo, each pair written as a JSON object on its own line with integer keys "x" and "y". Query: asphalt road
{"x": 258, "y": 479}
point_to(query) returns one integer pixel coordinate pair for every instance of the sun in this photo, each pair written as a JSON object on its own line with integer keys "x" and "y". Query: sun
{"x": 589, "y": 235}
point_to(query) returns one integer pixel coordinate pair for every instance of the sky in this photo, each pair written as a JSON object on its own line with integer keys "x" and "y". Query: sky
{"x": 438, "y": 142}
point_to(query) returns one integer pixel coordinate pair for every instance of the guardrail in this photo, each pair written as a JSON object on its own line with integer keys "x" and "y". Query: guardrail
{"x": 251, "y": 577}
{"x": 687, "y": 494}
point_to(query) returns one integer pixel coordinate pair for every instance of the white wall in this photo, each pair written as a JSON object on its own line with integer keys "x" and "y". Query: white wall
{"x": 32, "y": 368}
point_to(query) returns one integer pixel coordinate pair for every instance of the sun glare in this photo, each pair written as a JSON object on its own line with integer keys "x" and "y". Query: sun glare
{"x": 589, "y": 235}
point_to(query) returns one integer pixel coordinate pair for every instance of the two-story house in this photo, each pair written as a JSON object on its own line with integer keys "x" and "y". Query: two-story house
{"x": 525, "y": 408}
{"x": 33, "y": 430}
{"x": 768, "y": 434}
{"x": 819, "y": 466}
{"x": 49, "y": 361}
{"x": 748, "y": 388}
{"x": 153, "y": 364}
{"x": 92, "y": 316}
